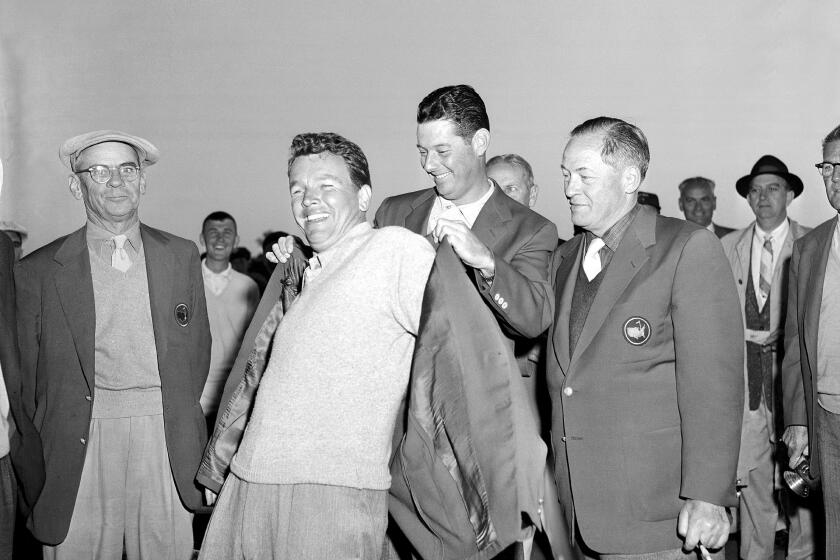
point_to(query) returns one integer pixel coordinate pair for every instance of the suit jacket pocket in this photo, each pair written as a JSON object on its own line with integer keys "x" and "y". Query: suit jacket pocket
{"x": 653, "y": 463}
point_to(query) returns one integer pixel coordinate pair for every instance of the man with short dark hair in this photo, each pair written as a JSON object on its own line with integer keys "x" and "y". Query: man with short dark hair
{"x": 115, "y": 347}
{"x": 644, "y": 364}
{"x": 811, "y": 366}
{"x": 311, "y": 475}
{"x": 231, "y": 298}
{"x": 759, "y": 255}
{"x": 504, "y": 245}
{"x": 698, "y": 202}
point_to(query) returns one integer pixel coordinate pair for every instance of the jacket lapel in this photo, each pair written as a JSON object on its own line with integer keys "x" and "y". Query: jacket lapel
{"x": 417, "y": 220}
{"x": 74, "y": 285}
{"x": 159, "y": 266}
{"x": 810, "y": 286}
{"x": 625, "y": 264}
{"x": 564, "y": 288}
{"x": 492, "y": 218}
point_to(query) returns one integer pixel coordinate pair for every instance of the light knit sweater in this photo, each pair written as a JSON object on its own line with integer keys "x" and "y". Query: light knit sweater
{"x": 229, "y": 313}
{"x": 327, "y": 403}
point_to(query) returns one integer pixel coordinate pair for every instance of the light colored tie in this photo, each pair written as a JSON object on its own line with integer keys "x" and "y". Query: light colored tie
{"x": 592, "y": 259}
{"x": 765, "y": 274}
{"x": 119, "y": 258}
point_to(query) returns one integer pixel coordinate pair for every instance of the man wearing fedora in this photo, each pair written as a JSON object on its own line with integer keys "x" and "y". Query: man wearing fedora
{"x": 115, "y": 349}
{"x": 759, "y": 256}
{"x": 811, "y": 367}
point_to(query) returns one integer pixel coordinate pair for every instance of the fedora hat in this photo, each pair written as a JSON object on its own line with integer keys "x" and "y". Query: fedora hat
{"x": 769, "y": 165}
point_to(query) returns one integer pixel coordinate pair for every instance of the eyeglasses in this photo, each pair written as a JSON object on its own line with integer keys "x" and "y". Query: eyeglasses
{"x": 827, "y": 167}
{"x": 102, "y": 173}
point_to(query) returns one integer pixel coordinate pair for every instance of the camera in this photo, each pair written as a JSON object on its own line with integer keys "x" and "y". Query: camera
{"x": 800, "y": 480}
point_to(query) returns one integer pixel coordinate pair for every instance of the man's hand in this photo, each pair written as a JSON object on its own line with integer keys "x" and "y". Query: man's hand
{"x": 209, "y": 497}
{"x": 466, "y": 245}
{"x": 282, "y": 250}
{"x": 796, "y": 440}
{"x": 703, "y": 523}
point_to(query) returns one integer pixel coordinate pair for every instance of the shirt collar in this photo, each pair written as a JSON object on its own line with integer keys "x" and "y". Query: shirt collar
{"x": 777, "y": 235}
{"x": 207, "y": 272}
{"x": 470, "y": 210}
{"x": 613, "y": 236}
{"x": 711, "y": 227}
{"x": 97, "y": 236}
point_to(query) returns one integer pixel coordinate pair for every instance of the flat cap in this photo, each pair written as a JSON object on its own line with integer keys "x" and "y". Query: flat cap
{"x": 71, "y": 148}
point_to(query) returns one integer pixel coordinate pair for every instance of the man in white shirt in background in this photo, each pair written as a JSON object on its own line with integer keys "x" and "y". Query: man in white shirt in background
{"x": 231, "y": 297}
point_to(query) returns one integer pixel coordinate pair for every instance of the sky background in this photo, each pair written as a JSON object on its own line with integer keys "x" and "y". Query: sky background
{"x": 221, "y": 88}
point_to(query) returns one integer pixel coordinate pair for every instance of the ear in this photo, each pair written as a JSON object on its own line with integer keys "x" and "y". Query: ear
{"x": 142, "y": 182}
{"x": 714, "y": 203}
{"x": 631, "y": 179}
{"x": 789, "y": 197}
{"x": 75, "y": 186}
{"x": 364, "y": 198}
{"x": 236, "y": 241}
{"x": 201, "y": 239}
{"x": 679, "y": 202}
{"x": 532, "y": 196}
{"x": 481, "y": 142}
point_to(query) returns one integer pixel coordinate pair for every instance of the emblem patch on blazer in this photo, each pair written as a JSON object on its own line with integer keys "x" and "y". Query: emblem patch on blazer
{"x": 636, "y": 330}
{"x": 182, "y": 314}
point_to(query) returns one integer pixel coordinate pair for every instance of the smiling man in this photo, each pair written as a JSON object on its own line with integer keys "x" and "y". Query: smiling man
{"x": 698, "y": 203}
{"x": 505, "y": 246}
{"x": 231, "y": 297}
{"x": 311, "y": 476}
{"x": 115, "y": 347}
{"x": 644, "y": 365}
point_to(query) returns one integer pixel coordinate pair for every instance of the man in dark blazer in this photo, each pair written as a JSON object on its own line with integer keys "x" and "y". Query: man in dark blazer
{"x": 21, "y": 466}
{"x": 115, "y": 348}
{"x": 811, "y": 366}
{"x": 644, "y": 362}
{"x": 698, "y": 202}
{"x": 505, "y": 245}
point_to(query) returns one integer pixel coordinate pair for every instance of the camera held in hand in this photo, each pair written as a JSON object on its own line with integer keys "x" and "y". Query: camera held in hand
{"x": 800, "y": 480}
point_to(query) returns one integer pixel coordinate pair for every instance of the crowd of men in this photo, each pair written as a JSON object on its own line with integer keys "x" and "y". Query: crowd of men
{"x": 448, "y": 381}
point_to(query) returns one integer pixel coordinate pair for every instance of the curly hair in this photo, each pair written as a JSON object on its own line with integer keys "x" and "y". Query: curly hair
{"x": 309, "y": 143}
{"x": 459, "y": 104}
{"x": 624, "y": 144}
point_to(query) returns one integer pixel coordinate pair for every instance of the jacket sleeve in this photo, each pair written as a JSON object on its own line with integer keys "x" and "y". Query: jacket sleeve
{"x": 793, "y": 391}
{"x": 28, "y": 307}
{"x": 520, "y": 295}
{"x": 709, "y": 350}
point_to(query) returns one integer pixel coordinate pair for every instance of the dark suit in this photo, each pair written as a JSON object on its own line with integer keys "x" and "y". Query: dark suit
{"x": 722, "y": 231}
{"x": 522, "y": 242}
{"x": 645, "y": 416}
{"x": 56, "y": 331}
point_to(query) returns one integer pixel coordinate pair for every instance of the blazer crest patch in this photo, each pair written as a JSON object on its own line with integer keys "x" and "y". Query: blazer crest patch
{"x": 636, "y": 330}
{"x": 182, "y": 314}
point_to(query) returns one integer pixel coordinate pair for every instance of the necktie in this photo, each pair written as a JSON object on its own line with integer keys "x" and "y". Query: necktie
{"x": 592, "y": 259}
{"x": 766, "y": 272}
{"x": 119, "y": 258}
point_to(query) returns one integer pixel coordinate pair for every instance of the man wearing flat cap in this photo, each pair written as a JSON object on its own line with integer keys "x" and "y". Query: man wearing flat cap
{"x": 115, "y": 348}
{"x": 759, "y": 255}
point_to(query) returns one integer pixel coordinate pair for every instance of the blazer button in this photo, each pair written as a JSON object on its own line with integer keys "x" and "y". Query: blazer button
{"x": 563, "y": 439}
{"x": 504, "y": 305}
{"x": 82, "y": 441}
{"x": 88, "y": 398}
{"x": 568, "y": 391}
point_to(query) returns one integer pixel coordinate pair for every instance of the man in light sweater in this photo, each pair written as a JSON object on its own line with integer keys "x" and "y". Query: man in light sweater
{"x": 311, "y": 476}
{"x": 231, "y": 297}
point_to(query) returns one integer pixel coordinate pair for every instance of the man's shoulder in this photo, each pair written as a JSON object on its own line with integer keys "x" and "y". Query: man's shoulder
{"x": 406, "y": 198}
{"x": 45, "y": 255}
{"x": 522, "y": 214}
{"x": 176, "y": 242}
{"x": 820, "y": 234}
{"x": 676, "y": 233}
{"x": 243, "y": 280}
{"x": 395, "y": 237}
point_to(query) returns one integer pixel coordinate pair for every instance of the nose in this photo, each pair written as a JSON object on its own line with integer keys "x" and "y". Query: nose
{"x": 835, "y": 173}
{"x": 310, "y": 197}
{"x": 570, "y": 186}
{"x": 116, "y": 179}
{"x": 429, "y": 162}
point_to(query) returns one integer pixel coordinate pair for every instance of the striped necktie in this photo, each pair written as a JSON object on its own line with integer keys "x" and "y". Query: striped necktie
{"x": 766, "y": 272}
